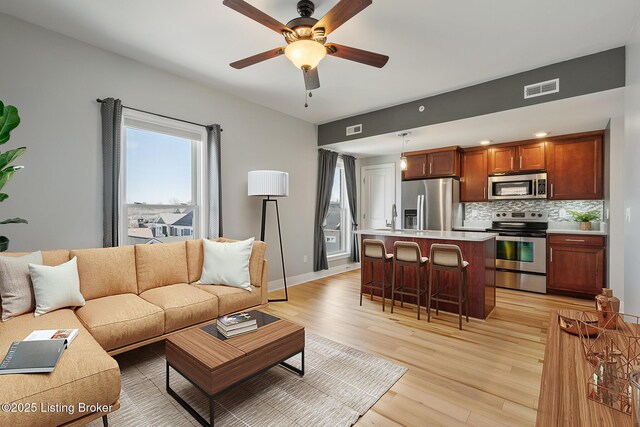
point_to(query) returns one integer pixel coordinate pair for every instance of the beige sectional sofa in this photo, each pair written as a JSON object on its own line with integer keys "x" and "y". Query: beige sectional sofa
{"x": 135, "y": 295}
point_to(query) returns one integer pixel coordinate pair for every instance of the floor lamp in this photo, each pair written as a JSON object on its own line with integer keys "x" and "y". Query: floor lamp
{"x": 265, "y": 183}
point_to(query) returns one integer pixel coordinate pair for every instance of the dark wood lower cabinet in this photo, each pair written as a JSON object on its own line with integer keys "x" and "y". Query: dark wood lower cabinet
{"x": 576, "y": 264}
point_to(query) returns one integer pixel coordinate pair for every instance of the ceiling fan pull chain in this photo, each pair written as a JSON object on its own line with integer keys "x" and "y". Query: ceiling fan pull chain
{"x": 306, "y": 103}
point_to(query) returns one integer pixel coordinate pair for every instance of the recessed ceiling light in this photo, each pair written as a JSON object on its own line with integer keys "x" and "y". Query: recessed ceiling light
{"x": 541, "y": 134}
{"x": 485, "y": 142}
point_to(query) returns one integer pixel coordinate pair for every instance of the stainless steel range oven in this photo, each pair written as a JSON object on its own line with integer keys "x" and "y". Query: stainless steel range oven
{"x": 521, "y": 257}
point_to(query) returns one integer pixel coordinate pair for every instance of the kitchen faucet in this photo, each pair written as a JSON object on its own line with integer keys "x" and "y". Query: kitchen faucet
{"x": 394, "y": 215}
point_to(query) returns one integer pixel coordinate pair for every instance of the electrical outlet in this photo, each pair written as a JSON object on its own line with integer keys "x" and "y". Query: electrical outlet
{"x": 474, "y": 212}
{"x": 305, "y": 259}
{"x": 606, "y": 214}
{"x": 562, "y": 213}
{"x": 627, "y": 214}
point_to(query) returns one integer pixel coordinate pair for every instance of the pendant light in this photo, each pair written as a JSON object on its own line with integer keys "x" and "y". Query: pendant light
{"x": 403, "y": 158}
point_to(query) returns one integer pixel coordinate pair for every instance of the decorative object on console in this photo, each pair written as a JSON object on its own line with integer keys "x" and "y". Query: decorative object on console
{"x": 614, "y": 354}
{"x": 570, "y": 324}
{"x": 634, "y": 381}
{"x": 56, "y": 287}
{"x": 270, "y": 183}
{"x": 585, "y": 218}
{"x": 227, "y": 263}
{"x": 9, "y": 120}
{"x": 16, "y": 290}
{"x": 608, "y": 306}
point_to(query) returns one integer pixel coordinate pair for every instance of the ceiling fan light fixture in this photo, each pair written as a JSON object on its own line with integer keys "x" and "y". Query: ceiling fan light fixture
{"x": 305, "y": 53}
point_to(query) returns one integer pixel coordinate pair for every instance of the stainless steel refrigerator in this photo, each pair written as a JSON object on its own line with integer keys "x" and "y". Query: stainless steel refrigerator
{"x": 431, "y": 204}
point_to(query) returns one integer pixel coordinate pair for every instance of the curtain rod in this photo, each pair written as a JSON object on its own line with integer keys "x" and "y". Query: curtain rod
{"x": 100, "y": 101}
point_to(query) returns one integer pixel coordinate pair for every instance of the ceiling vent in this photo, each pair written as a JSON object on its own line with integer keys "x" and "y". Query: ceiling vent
{"x": 354, "y": 130}
{"x": 544, "y": 88}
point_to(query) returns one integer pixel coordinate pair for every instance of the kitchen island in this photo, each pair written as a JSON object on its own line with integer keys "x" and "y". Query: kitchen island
{"x": 479, "y": 249}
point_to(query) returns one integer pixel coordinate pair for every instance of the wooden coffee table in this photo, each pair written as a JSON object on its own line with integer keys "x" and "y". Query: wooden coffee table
{"x": 213, "y": 364}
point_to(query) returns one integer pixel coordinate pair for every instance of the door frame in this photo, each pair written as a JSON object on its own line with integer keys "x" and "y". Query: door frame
{"x": 364, "y": 169}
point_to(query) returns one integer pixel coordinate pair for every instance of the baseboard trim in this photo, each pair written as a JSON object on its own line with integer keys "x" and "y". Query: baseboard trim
{"x": 275, "y": 285}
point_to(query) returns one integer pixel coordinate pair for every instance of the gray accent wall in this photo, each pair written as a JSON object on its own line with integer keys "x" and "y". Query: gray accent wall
{"x": 632, "y": 176}
{"x": 54, "y": 81}
{"x": 580, "y": 76}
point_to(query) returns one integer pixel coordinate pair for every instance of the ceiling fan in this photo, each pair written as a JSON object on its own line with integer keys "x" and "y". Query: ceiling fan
{"x": 306, "y": 37}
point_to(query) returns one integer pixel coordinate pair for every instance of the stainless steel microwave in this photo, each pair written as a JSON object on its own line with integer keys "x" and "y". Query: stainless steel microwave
{"x": 516, "y": 187}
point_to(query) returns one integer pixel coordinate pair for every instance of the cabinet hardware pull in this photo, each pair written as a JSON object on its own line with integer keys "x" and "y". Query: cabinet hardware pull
{"x": 550, "y": 254}
{"x": 520, "y": 162}
{"x": 430, "y": 167}
{"x": 484, "y": 192}
{"x": 423, "y": 171}
{"x": 574, "y": 240}
{"x": 551, "y": 190}
{"x": 512, "y": 163}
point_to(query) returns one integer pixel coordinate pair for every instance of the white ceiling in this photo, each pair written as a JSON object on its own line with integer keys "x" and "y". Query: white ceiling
{"x": 578, "y": 114}
{"x": 435, "y": 45}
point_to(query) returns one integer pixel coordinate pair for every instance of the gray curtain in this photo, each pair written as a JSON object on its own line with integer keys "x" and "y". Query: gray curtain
{"x": 215, "y": 181}
{"x": 111, "y": 111}
{"x": 326, "y": 170}
{"x": 352, "y": 195}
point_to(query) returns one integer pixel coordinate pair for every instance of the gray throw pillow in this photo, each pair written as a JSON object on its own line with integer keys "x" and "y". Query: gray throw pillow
{"x": 16, "y": 290}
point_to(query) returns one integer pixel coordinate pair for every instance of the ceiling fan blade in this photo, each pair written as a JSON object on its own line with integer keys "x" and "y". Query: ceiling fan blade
{"x": 311, "y": 79}
{"x": 243, "y": 63}
{"x": 357, "y": 55}
{"x": 257, "y": 15}
{"x": 341, "y": 13}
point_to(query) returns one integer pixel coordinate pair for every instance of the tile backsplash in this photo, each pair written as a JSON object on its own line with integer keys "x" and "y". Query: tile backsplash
{"x": 484, "y": 211}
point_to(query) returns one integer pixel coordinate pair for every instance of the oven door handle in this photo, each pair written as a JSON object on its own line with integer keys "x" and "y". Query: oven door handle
{"x": 509, "y": 234}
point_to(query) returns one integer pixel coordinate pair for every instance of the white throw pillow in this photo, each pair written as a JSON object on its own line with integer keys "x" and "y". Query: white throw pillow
{"x": 56, "y": 287}
{"x": 227, "y": 263}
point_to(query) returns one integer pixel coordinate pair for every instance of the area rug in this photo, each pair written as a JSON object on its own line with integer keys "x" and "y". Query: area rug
{"x": 339, "y": 386}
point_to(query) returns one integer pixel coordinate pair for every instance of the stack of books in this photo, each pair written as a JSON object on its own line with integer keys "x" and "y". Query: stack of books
{"x": 236, "y": 324}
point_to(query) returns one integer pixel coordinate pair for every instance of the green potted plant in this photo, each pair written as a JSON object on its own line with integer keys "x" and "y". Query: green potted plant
{"x": 585, "y": 218}
{"x": 9, "y": 120}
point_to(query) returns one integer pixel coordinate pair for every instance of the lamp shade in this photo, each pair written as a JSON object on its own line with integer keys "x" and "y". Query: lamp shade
{"x": 268, "y": 183}
{"x": 305, "y": 53}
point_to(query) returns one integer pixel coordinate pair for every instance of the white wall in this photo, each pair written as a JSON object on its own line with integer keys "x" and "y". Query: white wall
{"x": 55, "y": 80}
{"x": 614, "y": 202}
{"x": 632, "y": 175}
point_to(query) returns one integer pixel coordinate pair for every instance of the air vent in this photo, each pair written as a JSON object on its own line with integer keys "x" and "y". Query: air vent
{"x": 354, "y": 130}
{"x": 544, "y": 88}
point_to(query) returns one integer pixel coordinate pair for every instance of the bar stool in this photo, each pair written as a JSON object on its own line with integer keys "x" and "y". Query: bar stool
{"x": 448, "y": 258}
{"x": 407, "y": 254}
{"x": 373, "y": 251}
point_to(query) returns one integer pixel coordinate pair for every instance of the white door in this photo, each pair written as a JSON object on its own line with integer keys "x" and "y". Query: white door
{"x": 378, "y": 195}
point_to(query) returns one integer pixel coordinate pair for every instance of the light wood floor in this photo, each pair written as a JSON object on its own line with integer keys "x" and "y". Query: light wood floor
{"x": 488, "y": 374}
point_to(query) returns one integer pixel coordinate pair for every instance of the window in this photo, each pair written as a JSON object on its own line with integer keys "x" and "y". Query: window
{"x": 162, "y": 190}
{"x": 337, "y": 224}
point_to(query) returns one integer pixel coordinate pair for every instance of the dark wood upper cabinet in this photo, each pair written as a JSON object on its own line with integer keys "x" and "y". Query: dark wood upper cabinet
{"x": 576, "y": 264}
{"x": 575, "y": 168}
{"x": 531, "y": 157}
{"x": 501, "y": 159}
{"x": 473, "y": 181}
{"x": 416, "y": 167}
{"x": 443, "y": 163}
{"x": 519, "y": 158}
{"x": 438, "y": 163}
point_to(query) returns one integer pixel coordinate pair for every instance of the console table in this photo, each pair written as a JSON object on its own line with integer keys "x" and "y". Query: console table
{"x": 563, "y": 391}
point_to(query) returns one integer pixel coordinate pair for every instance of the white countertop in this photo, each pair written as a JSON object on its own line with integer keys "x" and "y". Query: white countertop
{"x": 575, "y": 231}
{"x": 435, "y": 235}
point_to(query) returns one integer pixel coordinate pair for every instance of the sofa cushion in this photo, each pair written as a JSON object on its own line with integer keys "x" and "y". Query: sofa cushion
{"x": 195, "y": 257}
{"x": 183, "y": 305}
{"x": 84, "y": 373}
{"x": 230, "y": 299}
{"x": 106, "y": 271}
{"x": 55, "y": 257}
{"x": 119, "y": 320}
{"x": 16, "y": 289}
{"x": 161, "y": 265}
